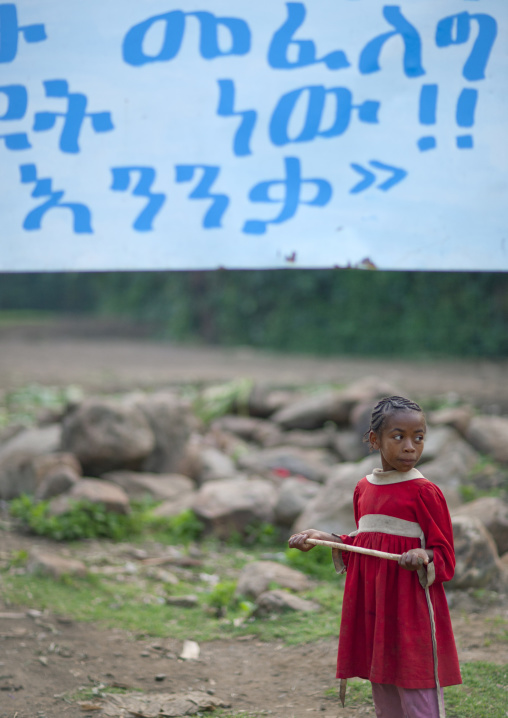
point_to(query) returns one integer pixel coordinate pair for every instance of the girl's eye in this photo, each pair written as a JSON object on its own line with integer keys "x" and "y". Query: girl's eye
{"x": 419, "y": 439}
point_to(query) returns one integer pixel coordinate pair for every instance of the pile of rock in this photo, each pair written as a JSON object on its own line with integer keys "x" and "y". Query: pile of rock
{"x": 290, "y": 459}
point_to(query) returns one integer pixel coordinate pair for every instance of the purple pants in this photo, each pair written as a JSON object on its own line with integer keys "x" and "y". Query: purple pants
{"x": 394, "y": 702}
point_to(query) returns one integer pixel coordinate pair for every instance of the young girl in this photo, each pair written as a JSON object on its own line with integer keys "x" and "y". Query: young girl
{"x": 396, "y": 629}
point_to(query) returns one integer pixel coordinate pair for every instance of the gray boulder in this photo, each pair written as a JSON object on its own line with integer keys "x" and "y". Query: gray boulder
{"x": 160, "y": 487}
{"x": 450, "y": 471}
{"x": 317, "y": 439}
{"x": 457, "y": 417}
{"x": 332, "y": 508}
{"x": 51, "y": 564}
{"x": 171, "y": 424}
{"x": 441, "y": 439}
{"x": 489, "y": 435}
{"x": 229, "y": 506}
{"x": 294, "y": 495}
{"x": 248, "y": 428}
{"x": 265, "y": 400}
{"x": 314, "y": 411}
{"x": 97, "y": 491}
{"x": 174, "y": 507}
{"x": 288, "y": 460}
{"x": 107, "y": 435}
{"x": 279, "y": 601}
{"x": 16, "y": 456}
{"x": 477, "y": 560}
{"x": 214, "y": 465}
{"x": 55, "y": 474}
{"x": 493, "y": 513}
{"x": 257, "y": 576}
{"x": 349, "y": 445}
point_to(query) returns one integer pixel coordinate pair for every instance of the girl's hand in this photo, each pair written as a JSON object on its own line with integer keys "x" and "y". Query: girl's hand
{"x": 413, "y": 559}
{"x": 298, "y": 540}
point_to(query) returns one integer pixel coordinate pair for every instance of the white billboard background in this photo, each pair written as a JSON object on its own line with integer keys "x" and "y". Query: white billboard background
{"x": 226, "y": 133}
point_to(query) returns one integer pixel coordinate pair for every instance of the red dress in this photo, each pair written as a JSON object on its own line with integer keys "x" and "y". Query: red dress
{"x": 385, "y": 633}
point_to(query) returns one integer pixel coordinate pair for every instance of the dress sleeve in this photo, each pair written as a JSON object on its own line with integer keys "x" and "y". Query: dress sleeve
{"x": 434, "y": 518}
{"x": 341, "y": 558}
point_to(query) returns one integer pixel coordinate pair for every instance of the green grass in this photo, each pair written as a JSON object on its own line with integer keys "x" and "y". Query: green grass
{"x": 483, "y": 694}
{"x": 218, "y": 614}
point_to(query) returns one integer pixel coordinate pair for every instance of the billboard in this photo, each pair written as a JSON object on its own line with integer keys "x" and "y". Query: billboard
{"x": 238, "y": 134}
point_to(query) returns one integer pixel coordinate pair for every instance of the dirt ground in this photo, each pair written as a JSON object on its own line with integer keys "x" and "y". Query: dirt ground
{"x": 110, "y": 356}
{"x": 45, "y": 657}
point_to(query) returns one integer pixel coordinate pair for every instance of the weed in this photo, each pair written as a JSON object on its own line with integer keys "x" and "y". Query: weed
{"x": 222, "y": 596}
{"x": 317, "y": 562}
{"x": 483, "y": 693}
{"x": 215, "y": 401}
{"x": 18, "y": 558}
{"x": 83, "y": 520}
{"x": 138, "y": 604}
{"x": 22, "y": 406}
{"x": 184, "y": 528}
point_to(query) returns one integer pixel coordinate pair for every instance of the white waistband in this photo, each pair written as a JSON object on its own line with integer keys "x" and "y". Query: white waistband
{"x": 389, "y": 525}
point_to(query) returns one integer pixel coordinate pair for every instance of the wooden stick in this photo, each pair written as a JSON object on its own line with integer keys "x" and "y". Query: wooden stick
{"x": 355, "y": 549}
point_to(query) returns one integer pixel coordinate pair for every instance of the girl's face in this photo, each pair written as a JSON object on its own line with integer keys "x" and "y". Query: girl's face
{"x": 400, "y": 440}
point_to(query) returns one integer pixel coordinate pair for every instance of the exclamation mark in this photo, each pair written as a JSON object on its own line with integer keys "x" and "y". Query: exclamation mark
{"x": 427, "y": 116}
{"x": 466, "y": 107}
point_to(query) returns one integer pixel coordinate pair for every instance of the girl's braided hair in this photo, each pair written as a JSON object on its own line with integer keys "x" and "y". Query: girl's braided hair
{"x": 387, "y": 406}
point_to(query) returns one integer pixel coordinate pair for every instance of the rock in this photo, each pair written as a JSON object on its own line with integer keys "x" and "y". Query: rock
{"x": 97, "y": 491}
{"x": 265, "y": 400}
{"x": 279, "y": 601}
{"x": 172, "y": 424}
{"x": 230, "y": 505}
{"x": 159, "y": 487}
{"x": 349, "y": 445}
{"x": 477, "y": 561}
{"x": 314, "y": 411}
{"x": 440, "y": 439}
{"x": 155, "y": 705}
{"x": 332, "y": 508}
{"x": 449, "y": 472}
{"x": 214, "y": 466}
{"x": 257, "y": 576}
{"x": 189, "y": 601}
{"x": 54, "y": 565}
{"x": 175, "y": 507}
{"x": 107, "y": 435}
{"x": 55, "y": 474}
{"x": 493, "y": 513}
{"x": 190, "y": 651}
{"x": 312, "y": 464}
{"x": 248, "y": 428}
{"x": 457, "y": 417}
{"x": 16, "y": 456}
{"x": 489, "y": 435}
{"x": 294, "y": 495}
{"x": 317, "y": 439}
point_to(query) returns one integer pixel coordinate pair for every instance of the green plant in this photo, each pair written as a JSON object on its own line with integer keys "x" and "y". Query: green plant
{"x": 317, "y": 562}
{"x": 183, "y": 528}
{"x": 22, "y": 406}
{"x": 18, "y": 558}
{"x": 222, "y": 596}
{"x": 215, "y": 401}
{"x": 84, "y": 519}
{"x": 483, "y": 693}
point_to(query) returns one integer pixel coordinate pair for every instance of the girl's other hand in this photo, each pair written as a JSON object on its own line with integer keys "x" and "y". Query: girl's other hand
{"x": 413, "y": 559}
{"x": 298, "y": 540}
